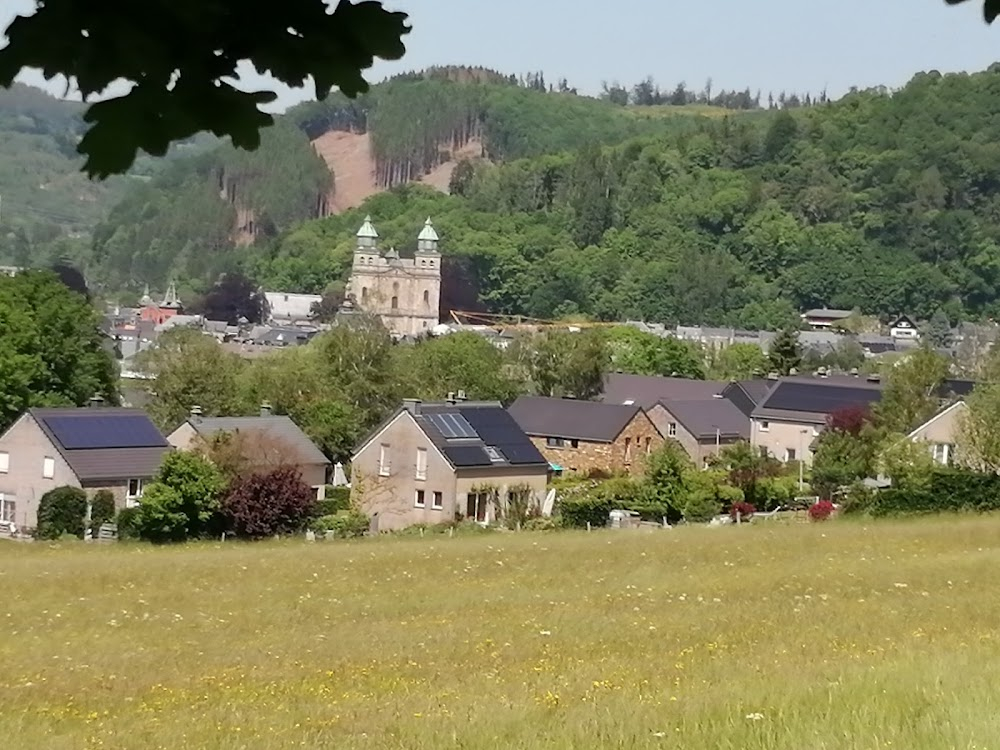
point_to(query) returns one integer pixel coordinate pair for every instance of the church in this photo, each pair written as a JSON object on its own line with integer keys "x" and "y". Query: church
{"x": 404, "y": 292}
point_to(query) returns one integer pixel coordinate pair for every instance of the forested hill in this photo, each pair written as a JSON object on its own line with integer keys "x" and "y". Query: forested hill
{"x": 886, "y": 202}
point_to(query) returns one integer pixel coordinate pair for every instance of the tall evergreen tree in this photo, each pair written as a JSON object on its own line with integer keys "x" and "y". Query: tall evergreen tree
{"x": 785, "y": 353}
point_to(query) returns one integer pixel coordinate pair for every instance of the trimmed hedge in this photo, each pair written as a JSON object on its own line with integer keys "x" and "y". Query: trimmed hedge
{"x": 62, "y": 511}
{"x": 949, "y": 491}
{"x": 128, "y": 523}
{"x": 337, "y": 499}
{"x": 102, "y": 510}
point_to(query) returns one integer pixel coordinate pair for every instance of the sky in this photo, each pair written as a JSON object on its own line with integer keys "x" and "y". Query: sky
{"x": 771, "y": 45}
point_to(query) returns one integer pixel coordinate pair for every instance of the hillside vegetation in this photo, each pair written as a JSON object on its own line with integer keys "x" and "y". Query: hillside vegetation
{"x": 887, "y": 202}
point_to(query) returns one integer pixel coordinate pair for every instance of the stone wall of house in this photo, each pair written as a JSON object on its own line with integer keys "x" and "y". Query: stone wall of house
{"x": 639, "y": 438}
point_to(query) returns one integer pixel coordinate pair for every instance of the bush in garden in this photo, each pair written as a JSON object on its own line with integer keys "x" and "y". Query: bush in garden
{"x": 336, "y": 500}
{"x": 743, "y": 511}
{"x": 820, "y": 511}
{"x": 102, "y": 510}
{"x": 275, "y": 502}
{"x": 700, "y": 508}
{"x": 346, "y": 523}
{"x": 62, "y": 511}
{"x": 183, "y": 501}
{"x": 127, "y": 522}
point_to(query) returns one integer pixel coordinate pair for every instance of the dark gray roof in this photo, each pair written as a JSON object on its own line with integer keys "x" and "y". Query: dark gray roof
{"x": 812, "y": 399}
{"x": 280, "y": 427}
{"x": 746, "y": 394}
{"x": 475, "y": 430}
{"x": 123, "y": 453}
{"x": 646, "y": 390}
{"x": 825, "y": 312}
{"x": 592, "y": 421}
{"x": 702, "y": 418}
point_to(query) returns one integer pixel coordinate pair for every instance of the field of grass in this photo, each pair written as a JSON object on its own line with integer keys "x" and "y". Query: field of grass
{"x": 801, "y": 637}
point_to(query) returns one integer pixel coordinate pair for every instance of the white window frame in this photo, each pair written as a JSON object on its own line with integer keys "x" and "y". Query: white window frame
{"x": 421, "y": 472}
{"x": 672, "y": 429}
{"x": 790, "y": 455}
{"x": 4, "y": 462}
{"x": 419, "y": 499}
{"x": 48, "y": 467}
{"x": 764, "y": 426}
{"x": 8, "y": 509}
{"x": 132, "y": 498}
{"x": 384, "y": 461}
{"x": 437, "y": 500}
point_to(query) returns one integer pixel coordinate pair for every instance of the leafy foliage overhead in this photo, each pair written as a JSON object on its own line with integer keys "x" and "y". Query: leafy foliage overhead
{"x": 177, "y": 53}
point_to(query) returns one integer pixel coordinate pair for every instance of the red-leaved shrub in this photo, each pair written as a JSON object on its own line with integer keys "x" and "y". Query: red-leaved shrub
{"x": 821, "y": 510}
{"x": 849, "y": 419}
{"x": 743, "y": 510}
{"x": 275, "y": 502}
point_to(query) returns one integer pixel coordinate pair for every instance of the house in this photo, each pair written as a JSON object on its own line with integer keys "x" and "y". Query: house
{"x": 648, "y": 390}
{"x": 903, "y": 327}
{"x": 264, "y": 442}
{"x": 702, "y": 428}
{"x": 92, "y": 448}
{"x": 286, "y": 307}
{"x": 439, "y": 462}
{"x": 587, "y": 435}
{"x": 795, "y": 410}
{"x": 940, "y": 433}
{"x": 824, "y": 318}
{"x": 159, "y": 313}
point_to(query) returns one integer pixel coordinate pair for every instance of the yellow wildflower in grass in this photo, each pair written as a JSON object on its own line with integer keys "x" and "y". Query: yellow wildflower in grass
{"x": 759, "y": 637}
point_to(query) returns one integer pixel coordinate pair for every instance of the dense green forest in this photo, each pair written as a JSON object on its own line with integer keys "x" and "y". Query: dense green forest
{"x": 886, "y": 202}
{"x": 721, "y": 210}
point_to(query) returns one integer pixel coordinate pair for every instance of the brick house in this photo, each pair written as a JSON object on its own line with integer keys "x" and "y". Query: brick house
{"x": 702, "y": 428}
{"x": 92, "y": 448}
{"x": 438, "y": 462}
{"x": 581, "y": 436}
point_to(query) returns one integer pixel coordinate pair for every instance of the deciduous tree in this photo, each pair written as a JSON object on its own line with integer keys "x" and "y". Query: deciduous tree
{"x": 264, "y": 504}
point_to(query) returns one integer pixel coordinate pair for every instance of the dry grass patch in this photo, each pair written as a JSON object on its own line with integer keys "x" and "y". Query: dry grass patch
{"x": 834, "y": 635}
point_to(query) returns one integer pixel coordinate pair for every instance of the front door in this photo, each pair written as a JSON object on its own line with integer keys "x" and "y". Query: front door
{"x": 475, "y": 506}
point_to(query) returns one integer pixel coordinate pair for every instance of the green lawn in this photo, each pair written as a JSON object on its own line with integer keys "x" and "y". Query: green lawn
{"x": 763, "y": 637}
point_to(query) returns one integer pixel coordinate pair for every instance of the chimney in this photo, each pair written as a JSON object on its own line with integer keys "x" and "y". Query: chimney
{"x": 196, "y": 413}
{"x": 265, "y": 409}
{"x": 96, "y": 401}
{"x": 460, "y": 396}
{"x": 451, "y": 397}
{"x": 412, "y": 405}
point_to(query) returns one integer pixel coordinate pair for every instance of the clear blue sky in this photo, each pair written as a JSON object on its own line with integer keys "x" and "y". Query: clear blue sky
{"x": 796, "y": 45}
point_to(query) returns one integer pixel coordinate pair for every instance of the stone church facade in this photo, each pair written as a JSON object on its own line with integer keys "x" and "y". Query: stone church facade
{"x": 404, "y": 292}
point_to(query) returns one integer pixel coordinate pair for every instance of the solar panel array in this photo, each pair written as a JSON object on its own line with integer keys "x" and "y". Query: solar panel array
{"x": 819, "y": 399}
{"x": 105, "y": 431}
{"x": 497, "y": 428}
{"x": 452, "y": 426}
{"x": 466, "y": 455}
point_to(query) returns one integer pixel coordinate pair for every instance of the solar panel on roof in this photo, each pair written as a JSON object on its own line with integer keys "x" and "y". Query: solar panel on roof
{"x": 105, "y": 431}
{"x": 467, "y": 455}
{"x": 522, "y": 453}
{"x": 452, "y": 425}
{"x": 819, "y": 399}
{"x": 443, "y": 427}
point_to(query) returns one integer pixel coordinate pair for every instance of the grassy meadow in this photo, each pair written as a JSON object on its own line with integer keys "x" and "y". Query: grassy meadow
{"x": 778, "y": 637}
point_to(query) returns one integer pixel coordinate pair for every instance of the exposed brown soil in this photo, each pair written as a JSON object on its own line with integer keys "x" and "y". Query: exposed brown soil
{"x": 349, "y": 157}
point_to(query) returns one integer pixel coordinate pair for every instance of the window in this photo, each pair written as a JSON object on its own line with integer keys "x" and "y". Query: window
{"x": 789, "y": 454}
{"x": 427, "y": 298}
{"x": 628, "y": 450}
{"x": 421, "y": 463}
{"x": 7, "y": 509}
{"x": 437, "y": 501}
{"x": 764, "y": 426}
{"x": 493, "y": 453}
{"x": 48, "y": 468}
{"x": 554, "y": 442}
{"x": 395, "y": 302}
{"x": 649, "y": 445}
{"x": 672, "y": 429}
{"x": 384, "y": 461}
{"x": 943, "y": 453}
{"x": 133, "y": 493}
{"x": 364, "y": 294}
{"x": 4, "y": 462}
{"x": 419, "y": 502}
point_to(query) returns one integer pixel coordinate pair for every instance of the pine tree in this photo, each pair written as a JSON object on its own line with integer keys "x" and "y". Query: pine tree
{"x": 938, "y": 329}
{"x": 785, "y": 353}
